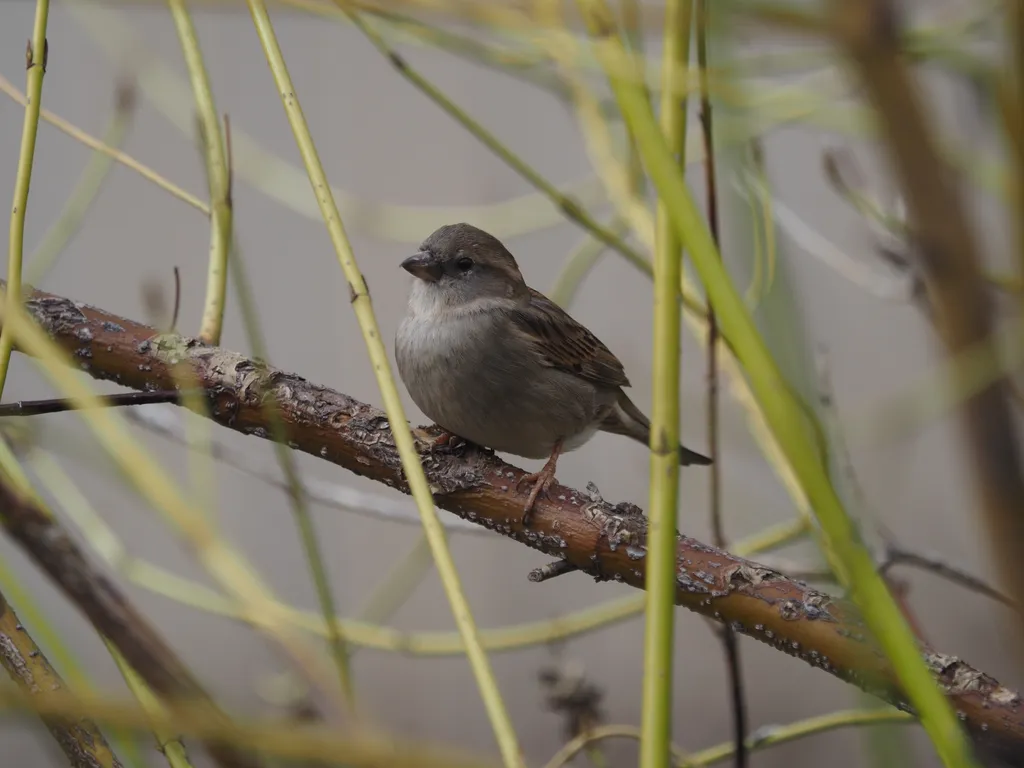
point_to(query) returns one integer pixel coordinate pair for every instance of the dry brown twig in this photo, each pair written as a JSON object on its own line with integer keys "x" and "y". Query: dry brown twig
{"x": 605, "y": 541}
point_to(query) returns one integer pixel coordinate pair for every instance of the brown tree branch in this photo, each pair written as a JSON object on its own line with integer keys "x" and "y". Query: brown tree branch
{"x": 110, "y": 613}
{"x": 950, "y": 260}
{"x": 79, "y": 739}
{"x": 608, "y": 542}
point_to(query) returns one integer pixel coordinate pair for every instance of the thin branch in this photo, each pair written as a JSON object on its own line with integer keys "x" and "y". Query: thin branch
{"x": 35, "y": 64}
{"x": 550, "y": 571}
{"x": 62, "y": 404}
{"x": 934, "y": 564}
{"x": 217, "y": 175}
{"x": 167, "y": 742}
{"x": 607, "y": 542}
{"x": 99, "y": 146}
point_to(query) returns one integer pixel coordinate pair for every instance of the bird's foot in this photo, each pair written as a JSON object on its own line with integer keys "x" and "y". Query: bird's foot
{"x": 541, "y": 482}
{"x": 445, "y": 443}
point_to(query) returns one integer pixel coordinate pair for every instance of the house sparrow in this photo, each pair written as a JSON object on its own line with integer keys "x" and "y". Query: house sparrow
{"x": 499, "y": 364}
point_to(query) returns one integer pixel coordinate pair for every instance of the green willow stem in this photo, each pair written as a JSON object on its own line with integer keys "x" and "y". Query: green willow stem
{"x": 35, "y": 63}
{"x": 782, "y": 734}
{"x": 801, "y": 729}
{"x": 660, "y": 583}
{"x": 169, "y": 744}
{"x": 504, "y": 731}
{"x": 782, "y": 411}
{"x": 218, "y": 176}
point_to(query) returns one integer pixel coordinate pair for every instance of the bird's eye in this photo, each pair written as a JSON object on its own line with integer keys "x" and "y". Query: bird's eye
{"x": 464, "y": 264}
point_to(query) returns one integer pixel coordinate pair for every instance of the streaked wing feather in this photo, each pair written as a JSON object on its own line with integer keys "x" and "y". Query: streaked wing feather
{"x": 566, "y": 345}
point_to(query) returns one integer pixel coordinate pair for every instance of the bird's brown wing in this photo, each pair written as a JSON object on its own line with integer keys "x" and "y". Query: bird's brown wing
{"x": 566, "y": 345}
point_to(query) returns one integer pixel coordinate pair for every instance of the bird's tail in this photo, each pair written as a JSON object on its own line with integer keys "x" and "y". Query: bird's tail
{"x": 627, "y": 419}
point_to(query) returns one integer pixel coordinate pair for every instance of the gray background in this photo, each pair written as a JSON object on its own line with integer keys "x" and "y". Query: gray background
{"x": 380, "y": 140}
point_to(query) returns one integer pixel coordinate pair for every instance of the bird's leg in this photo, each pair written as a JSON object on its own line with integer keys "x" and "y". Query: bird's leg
{"x": 542, "y": 481}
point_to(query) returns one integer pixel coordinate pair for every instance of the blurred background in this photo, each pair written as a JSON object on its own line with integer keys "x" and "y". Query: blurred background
{"x": 406, "y": 167}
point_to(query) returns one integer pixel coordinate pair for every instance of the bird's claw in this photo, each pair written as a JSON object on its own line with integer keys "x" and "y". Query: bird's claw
{"x": 542, "y": 481}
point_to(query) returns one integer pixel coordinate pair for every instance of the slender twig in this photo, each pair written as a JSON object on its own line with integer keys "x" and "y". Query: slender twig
{"x": 217, "y": 175}
{"x": 96, "y": 144}
{"x": 769, "y": 736}
{"x": 550, "y": 571}
{"x": 734, "y": 670}
{"x": 170, "y": 745}
{"x": 62, "y": 404}
{"x": 360, "y": 298}
{"x": 895, "y": 555}
{"x": 35, "y": 62}
{"x": 177, "y": 300}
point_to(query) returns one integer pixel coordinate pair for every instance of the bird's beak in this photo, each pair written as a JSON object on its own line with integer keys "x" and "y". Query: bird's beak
{"x": 424, "y": 266}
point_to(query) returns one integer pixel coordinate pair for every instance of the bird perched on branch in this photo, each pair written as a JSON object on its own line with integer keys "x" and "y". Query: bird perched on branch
{"x": 499, "y": 364}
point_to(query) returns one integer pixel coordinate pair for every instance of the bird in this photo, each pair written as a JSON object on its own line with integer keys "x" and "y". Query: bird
{"x": 498, "y": 364}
